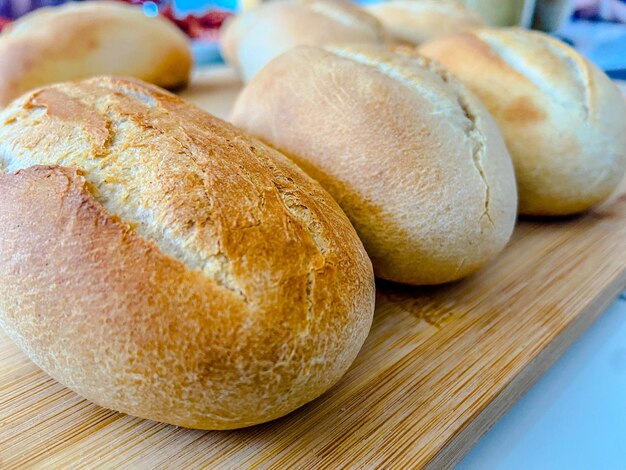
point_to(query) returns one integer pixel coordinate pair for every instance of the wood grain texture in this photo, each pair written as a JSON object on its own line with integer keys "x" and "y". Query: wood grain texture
{"x": 439, "y": 367}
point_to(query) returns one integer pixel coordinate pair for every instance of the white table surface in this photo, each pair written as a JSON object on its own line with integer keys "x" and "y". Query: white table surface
{"x": 575, "y": 416}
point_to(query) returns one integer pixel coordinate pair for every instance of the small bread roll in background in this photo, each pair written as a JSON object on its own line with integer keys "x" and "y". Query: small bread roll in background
{"x": 252, "y": 39}
{"x": 417, "y": 21}
{"x": 412, "y": 157}
{"x": 563, "y": 119}
{"x": 81, "y": 40}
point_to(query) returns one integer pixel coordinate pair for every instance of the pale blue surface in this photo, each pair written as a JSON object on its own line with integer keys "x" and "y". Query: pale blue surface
{"x": 574, "y": 417}
{"x": 603, "y": 43}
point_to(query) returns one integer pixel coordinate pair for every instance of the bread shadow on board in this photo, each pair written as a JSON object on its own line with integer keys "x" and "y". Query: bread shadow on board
{"x": 437, "y": 305}
{"x": 433, "y": 304}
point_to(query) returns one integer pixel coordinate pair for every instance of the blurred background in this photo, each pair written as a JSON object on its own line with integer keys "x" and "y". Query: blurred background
{"x": 597, "y": 28}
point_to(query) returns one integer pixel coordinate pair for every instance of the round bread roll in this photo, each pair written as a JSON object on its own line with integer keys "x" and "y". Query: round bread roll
{"x": 417, "y": 21}
{"x": 162, "y": 263}
{"x": 412, "y": 157}
{"x": 254, "y": 38}
{"x": 563, "y": 120}
{"x": 80, "y": 40}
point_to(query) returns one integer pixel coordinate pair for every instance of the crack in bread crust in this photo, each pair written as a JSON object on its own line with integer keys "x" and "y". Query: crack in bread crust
{"x": 401, "y": 73}
{"x": 297, "y": 208}
{"x": 293, "y": 203}
{"x": 578, "y": 65}
{"x": 520, "y": 64}
{"x": 113, "y": 170}
{"x": 140, "y": 219}
{"x": 478, "y": 150}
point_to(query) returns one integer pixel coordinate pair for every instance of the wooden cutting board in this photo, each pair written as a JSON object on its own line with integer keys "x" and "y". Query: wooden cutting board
{"x": 438, "y": 369}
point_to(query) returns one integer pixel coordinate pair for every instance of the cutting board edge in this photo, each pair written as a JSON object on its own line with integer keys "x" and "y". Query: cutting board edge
{"x": 460, "y": 444}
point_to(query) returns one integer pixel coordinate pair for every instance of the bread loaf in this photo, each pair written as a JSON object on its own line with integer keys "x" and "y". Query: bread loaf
{"x": 80, "y": 40}
{"x": 411, "y": 155}
{"x": 254, "y": 38}
{"x": 416, "y": 21}
{"x": 563, "y": 119}
{"x": 162, "y": 263}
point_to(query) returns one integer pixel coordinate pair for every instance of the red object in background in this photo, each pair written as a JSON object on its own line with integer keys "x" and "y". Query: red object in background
{"x": 203, "y": 27}
{"x": 3, "y": 22}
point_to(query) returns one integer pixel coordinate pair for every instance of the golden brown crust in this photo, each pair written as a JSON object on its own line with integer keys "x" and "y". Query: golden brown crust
{"x": 181, "y": 270}
{"x": 256, "y": 37}
{"x": 563, "y": 120}
{"x": 82, "y": 40}
{"x": 417, "y": 21}
{"x": 412, "y": 156}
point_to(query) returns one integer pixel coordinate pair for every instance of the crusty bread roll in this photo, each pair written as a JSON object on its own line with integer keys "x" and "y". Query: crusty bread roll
{"x": 162, "y": 263}
{"x": 416, "y": 21}
{"x": 411, "y": 155}
{"x": 252, "y": 39}
{"x": 563, "y": 120}
{"x": 80, "y": 40}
